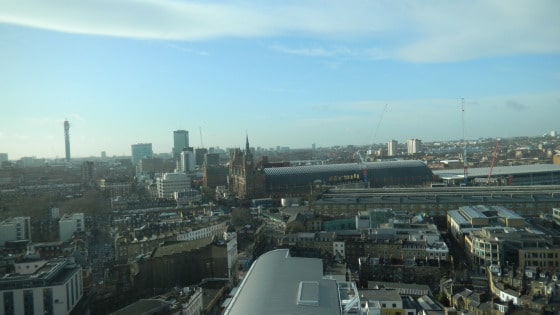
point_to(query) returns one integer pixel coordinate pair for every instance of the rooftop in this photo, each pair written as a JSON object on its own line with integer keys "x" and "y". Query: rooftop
{"x": 280, "y": 284}
{"x": 52, "y": 272}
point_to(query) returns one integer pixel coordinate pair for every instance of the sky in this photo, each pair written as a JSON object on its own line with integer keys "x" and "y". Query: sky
{"x": 285, "y": 73}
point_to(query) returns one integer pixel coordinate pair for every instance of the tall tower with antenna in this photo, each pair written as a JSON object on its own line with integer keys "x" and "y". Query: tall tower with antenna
{"x": 67, "y": 139}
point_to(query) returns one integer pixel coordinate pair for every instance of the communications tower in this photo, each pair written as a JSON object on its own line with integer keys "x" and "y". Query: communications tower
{"x": 67, "y": 139}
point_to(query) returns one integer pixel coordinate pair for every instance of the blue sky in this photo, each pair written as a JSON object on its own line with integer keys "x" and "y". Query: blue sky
{"x": 289, "y": 73}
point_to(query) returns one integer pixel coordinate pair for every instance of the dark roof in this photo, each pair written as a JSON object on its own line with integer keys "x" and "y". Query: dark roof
{"x": 346, "y": 167}
{"x": 409, "y": 172}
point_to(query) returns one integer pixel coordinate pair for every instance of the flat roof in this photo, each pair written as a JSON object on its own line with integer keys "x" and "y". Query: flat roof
{"x": 472, "y": 212}
{"x": 145, "y": 307}
{"x": 457, "y": 217}
{"x": 279, "y": 284}
{"x": 498, "y": 170}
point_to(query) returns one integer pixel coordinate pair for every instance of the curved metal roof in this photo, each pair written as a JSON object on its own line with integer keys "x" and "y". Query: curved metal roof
{"x": 295, "y": 178}
{"x": 350, "y": 167}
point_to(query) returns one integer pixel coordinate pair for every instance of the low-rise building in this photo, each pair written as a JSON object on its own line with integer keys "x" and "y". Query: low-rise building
{"x": 15, "y": 229}
{"x": 41, "y": 287}
{"x": 277, "y": 283}
{"x": 70, "y": 224}
{"x": 500, "y": 245}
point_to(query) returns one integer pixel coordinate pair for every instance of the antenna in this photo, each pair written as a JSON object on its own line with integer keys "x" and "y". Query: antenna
{"x": 465, "y": 163}
{"x": 201, "y": 143}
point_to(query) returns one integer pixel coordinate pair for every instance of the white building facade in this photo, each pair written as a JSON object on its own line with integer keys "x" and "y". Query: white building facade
{"x": 69, "y": 224}
{"x": 414, "y": 146}
{"x": 55, "y": 287}
{"x": 15, "y": 229}
{"x": 208, "y": 231}
{"x": 169, "y": 183}
{"x": 392, "y": 148}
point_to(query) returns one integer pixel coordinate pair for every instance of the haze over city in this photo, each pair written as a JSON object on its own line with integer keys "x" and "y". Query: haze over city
{"x": 288, "y": 74}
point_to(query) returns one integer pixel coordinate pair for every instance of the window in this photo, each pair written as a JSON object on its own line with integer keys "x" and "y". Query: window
{"x": 48, "y": 306}
{"x": 9, "y": 303}
{"x": 28, "y": 307}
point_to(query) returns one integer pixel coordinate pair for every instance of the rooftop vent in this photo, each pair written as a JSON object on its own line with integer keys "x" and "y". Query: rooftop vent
{"x": 308, "y": 293}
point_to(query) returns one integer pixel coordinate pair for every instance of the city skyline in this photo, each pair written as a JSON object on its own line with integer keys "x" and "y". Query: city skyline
{"x": 291, "y": 74}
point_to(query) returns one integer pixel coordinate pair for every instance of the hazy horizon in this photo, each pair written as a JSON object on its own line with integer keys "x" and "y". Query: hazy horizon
{"x": 291, "y": 74}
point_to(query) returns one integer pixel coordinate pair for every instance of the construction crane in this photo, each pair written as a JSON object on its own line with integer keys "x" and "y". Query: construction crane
{"x": 200, "y": 131}
{"x": 465, "y": 163}
{"x": 361, "y": 159}
{"x": 494, "y": 155}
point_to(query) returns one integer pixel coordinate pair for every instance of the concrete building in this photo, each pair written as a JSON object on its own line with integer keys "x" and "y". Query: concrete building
{"x": 141, "y": 151}
{"x": 170, "y": 183}
{"x": 501, "y": 245}
{"x": 200, "y": 154}
{"x": 15, "y": 229}
{"x": 437, "y": 201}
{"x": 180, "y": 141}
{"x": 279, "y": 284}
{"x": 186, "y": 301}
{"x": 187, "y": 160}
{"x": 70, "y": 224}
{"x": 151, "y": 166}
{"x": 556, "y": 215}
{"x": 212, "y": 159}
{"x": 469, "y": 218}
{"x": 214, "y": 175}
{"x": 547, "y": 258}
{"x": 41, "y": 287}
{"x": 413, "y": 146}
{"x": 211, "y": 230}
{"x": 392, "y": 148}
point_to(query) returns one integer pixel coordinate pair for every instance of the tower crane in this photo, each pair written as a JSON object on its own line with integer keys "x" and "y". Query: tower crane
{"x": 465, "y": 163}
{"x": 494, "y": 155}
{"x": 361, "y": 159}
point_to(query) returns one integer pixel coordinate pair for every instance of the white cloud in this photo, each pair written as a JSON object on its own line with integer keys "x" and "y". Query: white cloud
{"x": 427, "y": 31}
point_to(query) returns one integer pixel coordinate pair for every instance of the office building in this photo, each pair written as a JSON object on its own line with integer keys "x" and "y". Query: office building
{"x": 392, "y": 148}
{"x": 414, "y": 146}
{"x": 169, "y": 183}
{"x": 200, "y": 153}
{"x": 70, "y": 224}
{"x": 180, "y": 141}
{"x": 41, "y": 287}
{"x": 187, "y": 162}
{"x": 3, "y": 157}
{"x": 212, "y": 159}
{"x": 141, "y": 151}
{"x": 15, "y": 229}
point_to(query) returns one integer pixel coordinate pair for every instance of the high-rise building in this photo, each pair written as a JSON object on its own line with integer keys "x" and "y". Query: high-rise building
{"x": 140, "y": 151}
{"x": 392, "y": 148}
{"x": 67, "y": 139}
{"x": 180, "y": 141}
{"x": 3, "y": 157}
{"x": 414, "y": 146}
{"x": 200, "y": 153}
{"x": 187, "y": 161}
